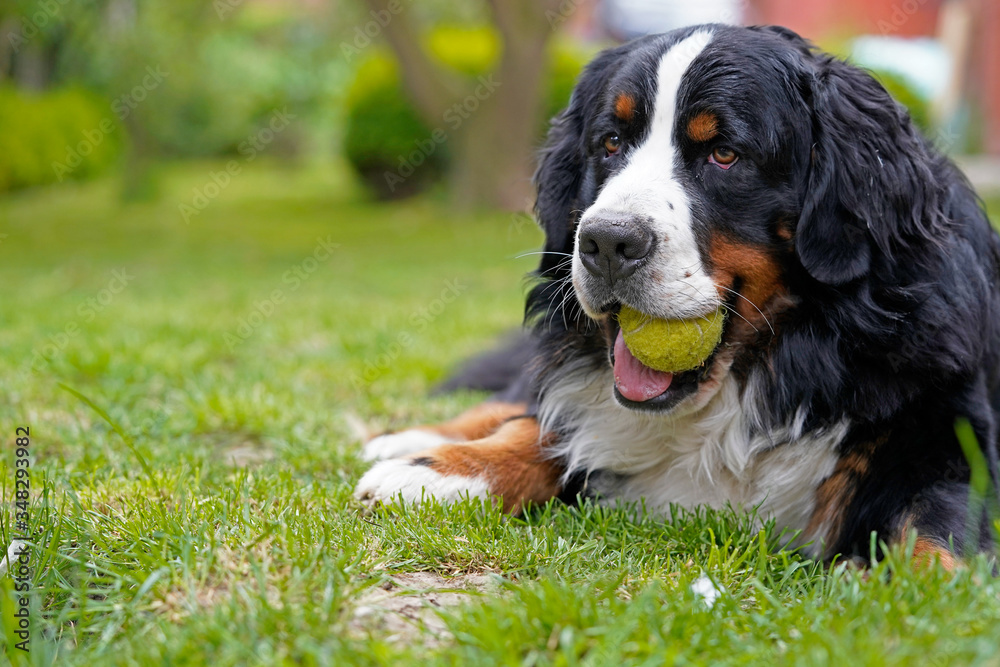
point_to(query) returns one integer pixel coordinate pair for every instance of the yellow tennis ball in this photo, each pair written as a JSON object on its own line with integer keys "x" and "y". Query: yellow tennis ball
{"x": 670, "y": 345}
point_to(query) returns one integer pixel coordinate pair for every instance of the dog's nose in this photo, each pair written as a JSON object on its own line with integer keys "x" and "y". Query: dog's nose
{"x": 613, "y": 250}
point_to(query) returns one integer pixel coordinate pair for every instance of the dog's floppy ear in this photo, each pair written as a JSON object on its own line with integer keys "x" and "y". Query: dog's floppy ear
{"x": 562, "y": 164}
{"x": 557, "y": 180}
{"x": 864, "y": 192}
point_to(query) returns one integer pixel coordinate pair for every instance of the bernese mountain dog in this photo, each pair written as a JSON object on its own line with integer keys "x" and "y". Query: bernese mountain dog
{"x": 719, "y": 166}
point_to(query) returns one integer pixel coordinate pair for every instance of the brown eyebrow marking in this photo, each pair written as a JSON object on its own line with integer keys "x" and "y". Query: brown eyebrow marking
{"x": 625, "y": 106}
{"x": 704, "y": 126}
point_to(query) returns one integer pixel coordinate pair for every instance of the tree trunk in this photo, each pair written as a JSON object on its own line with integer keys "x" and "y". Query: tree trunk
{"x": 495, "y": 148}
{"x": 492, "y": 125}
{"x": 31, "y": 70}
{"x": 430, "y": 87}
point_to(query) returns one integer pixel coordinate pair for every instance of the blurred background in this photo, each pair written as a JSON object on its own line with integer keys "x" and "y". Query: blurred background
{"x": 403, "y": 97}
{"x": 252, "y": 232}
{"x": 226, "y": 211}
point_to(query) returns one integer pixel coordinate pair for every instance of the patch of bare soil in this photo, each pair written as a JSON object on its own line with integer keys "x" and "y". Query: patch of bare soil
{"x": 403, "y": 608}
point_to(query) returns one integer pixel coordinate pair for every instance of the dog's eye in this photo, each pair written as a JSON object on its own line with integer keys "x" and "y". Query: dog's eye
{"x": 723, "y": 156}
{"x": 612, "y": 143}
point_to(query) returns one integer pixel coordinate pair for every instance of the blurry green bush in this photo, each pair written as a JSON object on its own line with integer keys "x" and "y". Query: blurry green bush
{"x": 382, "y": 126}
{"x": 53, "y": 136}
{"x": 223, "y": 71}
{"x": 212, "y": 103}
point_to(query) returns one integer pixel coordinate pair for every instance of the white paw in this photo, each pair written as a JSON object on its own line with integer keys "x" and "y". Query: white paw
{"x": 397, "y": 445}
{"x": 388, "y": 480}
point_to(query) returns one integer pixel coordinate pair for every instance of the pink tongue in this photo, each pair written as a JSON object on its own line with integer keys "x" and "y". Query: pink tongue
{"x": 635, "y": 381}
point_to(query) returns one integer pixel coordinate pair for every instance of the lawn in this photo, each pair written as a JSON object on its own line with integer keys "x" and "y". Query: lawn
{"x": 206, "y": 516}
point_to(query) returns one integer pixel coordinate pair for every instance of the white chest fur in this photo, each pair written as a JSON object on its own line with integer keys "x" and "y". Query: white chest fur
{"x": 705, "y": 457}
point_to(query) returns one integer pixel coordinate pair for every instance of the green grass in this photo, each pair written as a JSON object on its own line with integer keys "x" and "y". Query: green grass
{"x": 239, "y": 543}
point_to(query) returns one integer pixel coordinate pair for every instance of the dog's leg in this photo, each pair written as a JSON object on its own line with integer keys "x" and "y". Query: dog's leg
{"x": 473, "y": 424}
{"x": 865, "y": 494}
{"x": 508, "y": 464}
{"x": 927, "y": 550}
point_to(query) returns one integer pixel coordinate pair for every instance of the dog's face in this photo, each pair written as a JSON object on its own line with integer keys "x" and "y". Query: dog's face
{"x": 683, "y": 178}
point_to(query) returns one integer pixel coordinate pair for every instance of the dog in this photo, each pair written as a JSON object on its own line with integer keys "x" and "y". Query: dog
{"x": 720, "y": 166}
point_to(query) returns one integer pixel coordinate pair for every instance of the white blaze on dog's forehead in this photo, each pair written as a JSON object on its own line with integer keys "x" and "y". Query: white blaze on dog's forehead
{"x": 673, "y": 65}
{"x": 649, "y": 180}
{"x": 648, "y": 188}
{"x": 651, "y": 165}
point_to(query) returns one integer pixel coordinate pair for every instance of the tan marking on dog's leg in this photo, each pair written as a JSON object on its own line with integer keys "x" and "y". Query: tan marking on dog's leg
{"x": 478, "y": 422}
{"x": 836, "y": 493}
{"x": 473, "y": 424}
{"x": 926, "y": 551}
{"x": 511, "y": 461}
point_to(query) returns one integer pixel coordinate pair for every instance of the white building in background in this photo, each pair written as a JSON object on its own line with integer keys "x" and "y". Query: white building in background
{"x": 625, "y": 19}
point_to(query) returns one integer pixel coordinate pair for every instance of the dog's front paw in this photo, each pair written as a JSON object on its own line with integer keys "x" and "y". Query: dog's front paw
{"x": 398, "y": 445}
{"x": 414, "y": 480}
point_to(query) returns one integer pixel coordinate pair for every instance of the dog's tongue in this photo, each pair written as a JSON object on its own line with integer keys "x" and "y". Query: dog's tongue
{"x": 635, "y": 381}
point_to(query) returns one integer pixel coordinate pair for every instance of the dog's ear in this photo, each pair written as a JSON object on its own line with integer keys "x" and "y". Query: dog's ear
{"x": 869, "y": 169}
{"x": 561, "y": 171}
{"x": 558, "y": 179}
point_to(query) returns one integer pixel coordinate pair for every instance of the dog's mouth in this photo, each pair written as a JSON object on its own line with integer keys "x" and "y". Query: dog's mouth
{"x": 640, "y": 387}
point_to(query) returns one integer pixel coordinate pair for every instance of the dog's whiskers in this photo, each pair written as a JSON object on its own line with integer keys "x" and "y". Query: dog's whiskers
{"x": 719, "y": 303}
{"x": 768, "y": 322}
{"x": 543, "y": 252}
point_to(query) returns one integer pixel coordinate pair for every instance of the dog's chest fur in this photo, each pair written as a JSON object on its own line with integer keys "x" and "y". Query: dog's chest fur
{"x": 709, "y": 456}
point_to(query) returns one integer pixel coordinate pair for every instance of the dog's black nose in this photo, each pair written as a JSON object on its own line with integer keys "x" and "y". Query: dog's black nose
{"x": 613, "y": 250}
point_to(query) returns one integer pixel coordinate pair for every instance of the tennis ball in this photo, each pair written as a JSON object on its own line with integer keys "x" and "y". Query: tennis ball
{"x": 670, "y": 345}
